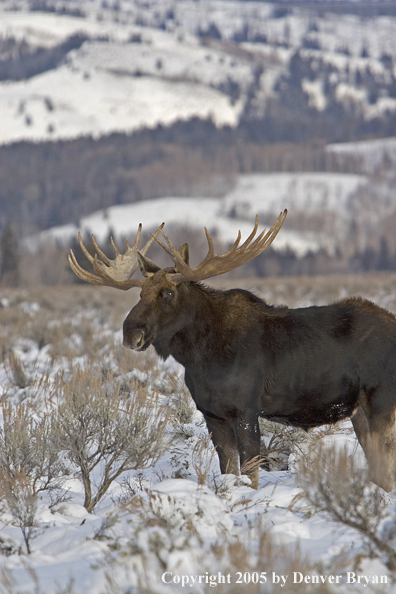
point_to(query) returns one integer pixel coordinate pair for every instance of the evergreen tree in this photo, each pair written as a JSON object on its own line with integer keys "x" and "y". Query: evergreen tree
{"x": 9, "y": 258}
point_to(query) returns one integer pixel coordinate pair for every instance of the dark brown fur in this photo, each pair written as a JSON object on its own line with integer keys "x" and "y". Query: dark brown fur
{"x": 244, "y": 359}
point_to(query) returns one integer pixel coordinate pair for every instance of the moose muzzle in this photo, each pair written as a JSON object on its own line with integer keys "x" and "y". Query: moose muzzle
{"x": 134, "y": 339}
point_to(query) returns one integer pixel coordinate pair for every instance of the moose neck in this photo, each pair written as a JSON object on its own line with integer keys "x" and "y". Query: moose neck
{"x": 216, "y": 325}
{"x": 202, "y": 311}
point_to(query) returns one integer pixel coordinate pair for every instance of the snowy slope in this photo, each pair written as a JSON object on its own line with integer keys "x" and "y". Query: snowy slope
{"x": 111, "y": 86}
{"x": 147, "y": 63}
{"x": 371, "y": 152}
{"x": 109, "y": 102}
{"x": 324, "y": 197}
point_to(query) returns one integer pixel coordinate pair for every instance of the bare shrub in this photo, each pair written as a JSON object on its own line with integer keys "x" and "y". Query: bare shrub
{"x": 29, "y": 464}
{"x": 20, "y": 500}
{"x": 333, "y": 483}
{"x": 281, "y": 441}
{"x": 162, "y": 530}
{"x": 172, "y": 543}
{"x": 181, "y": 399}
{"x": 260, "y": 557}
{"x": 103, "y": 428}
{"x": 27, "y": 447}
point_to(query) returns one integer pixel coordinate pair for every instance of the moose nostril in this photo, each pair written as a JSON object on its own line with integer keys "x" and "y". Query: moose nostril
{"x": 134, "y": 340}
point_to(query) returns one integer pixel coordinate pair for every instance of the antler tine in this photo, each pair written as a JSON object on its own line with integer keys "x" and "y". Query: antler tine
{"x": 81, "y": 273}
{"x": 273, "y": 232}
{"x": 138, "y": 234}
{"x": 84, "y": 249}
{"x": 262, "y": 238}
{"x": 151, "y": 240}
{"x": 172, "y": 252}
{"x": 262, "y": 242}
{"x": 210, "y": 243}
{"x": 101, "y": 254}
{"x": 113, "y": 245}
{"x": 214, "y": 264}
{"x": 211, "y": 253}
{"x": 253, "y": 233}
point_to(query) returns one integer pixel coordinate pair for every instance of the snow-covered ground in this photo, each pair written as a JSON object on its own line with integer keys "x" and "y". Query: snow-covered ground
{"x": 157, "y": 525}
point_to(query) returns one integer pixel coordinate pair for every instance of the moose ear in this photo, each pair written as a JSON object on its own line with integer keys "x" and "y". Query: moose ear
{"x": 184, "y": 251}
{"x": 147, "y": 266}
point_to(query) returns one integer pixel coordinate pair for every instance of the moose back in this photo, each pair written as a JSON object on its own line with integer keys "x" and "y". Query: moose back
{"x": 245, "y": 359}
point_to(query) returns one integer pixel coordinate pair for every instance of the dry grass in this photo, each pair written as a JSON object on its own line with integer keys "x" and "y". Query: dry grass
{"x": 202, "y": 458}
{"x": 259, "y": 557}
{"x": 73, "y": 321}
{"x": 250, "y": 562}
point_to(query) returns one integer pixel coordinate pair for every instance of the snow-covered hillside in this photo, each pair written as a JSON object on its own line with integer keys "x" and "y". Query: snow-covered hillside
{"x": 148, "y": 63}
{"x": 113, "y": 85}
{"x": 373, "y": 153}
{"x": 321, "y": 210}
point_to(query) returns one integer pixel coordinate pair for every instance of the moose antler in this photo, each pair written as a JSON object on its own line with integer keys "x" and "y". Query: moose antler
{"x": 214, "y": 264}
{"x": 113, "y": 273}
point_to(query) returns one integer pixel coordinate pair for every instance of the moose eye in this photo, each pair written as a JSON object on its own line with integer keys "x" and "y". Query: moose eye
{"x": 167, "y": 294}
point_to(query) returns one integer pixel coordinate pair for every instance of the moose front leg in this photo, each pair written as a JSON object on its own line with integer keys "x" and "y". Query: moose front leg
{"x": 224, "y": 440}
{"x": 247, "y": 433}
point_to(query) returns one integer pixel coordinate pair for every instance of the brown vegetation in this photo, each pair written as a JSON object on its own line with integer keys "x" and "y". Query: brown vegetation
{"x": 103, "y": 425}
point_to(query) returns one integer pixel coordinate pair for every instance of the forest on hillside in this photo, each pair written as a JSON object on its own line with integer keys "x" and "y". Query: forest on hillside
{"x": 51, "y": 184}
{"x": 54, "y": 183}
{"x": 321, "y": 94}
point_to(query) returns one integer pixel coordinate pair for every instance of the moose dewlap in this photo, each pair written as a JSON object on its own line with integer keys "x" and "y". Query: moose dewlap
{"x": 245, "y": 359}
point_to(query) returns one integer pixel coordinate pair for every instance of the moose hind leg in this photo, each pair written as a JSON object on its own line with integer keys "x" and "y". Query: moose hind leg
{"x": 382, "y": 446}
{"x": 362, "y": 430}
{"x": 224, "y": 440}
{"x": 376, "y": 433}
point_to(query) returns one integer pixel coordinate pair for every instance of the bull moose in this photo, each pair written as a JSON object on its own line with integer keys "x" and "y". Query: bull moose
{"x": 246, "y": 359}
